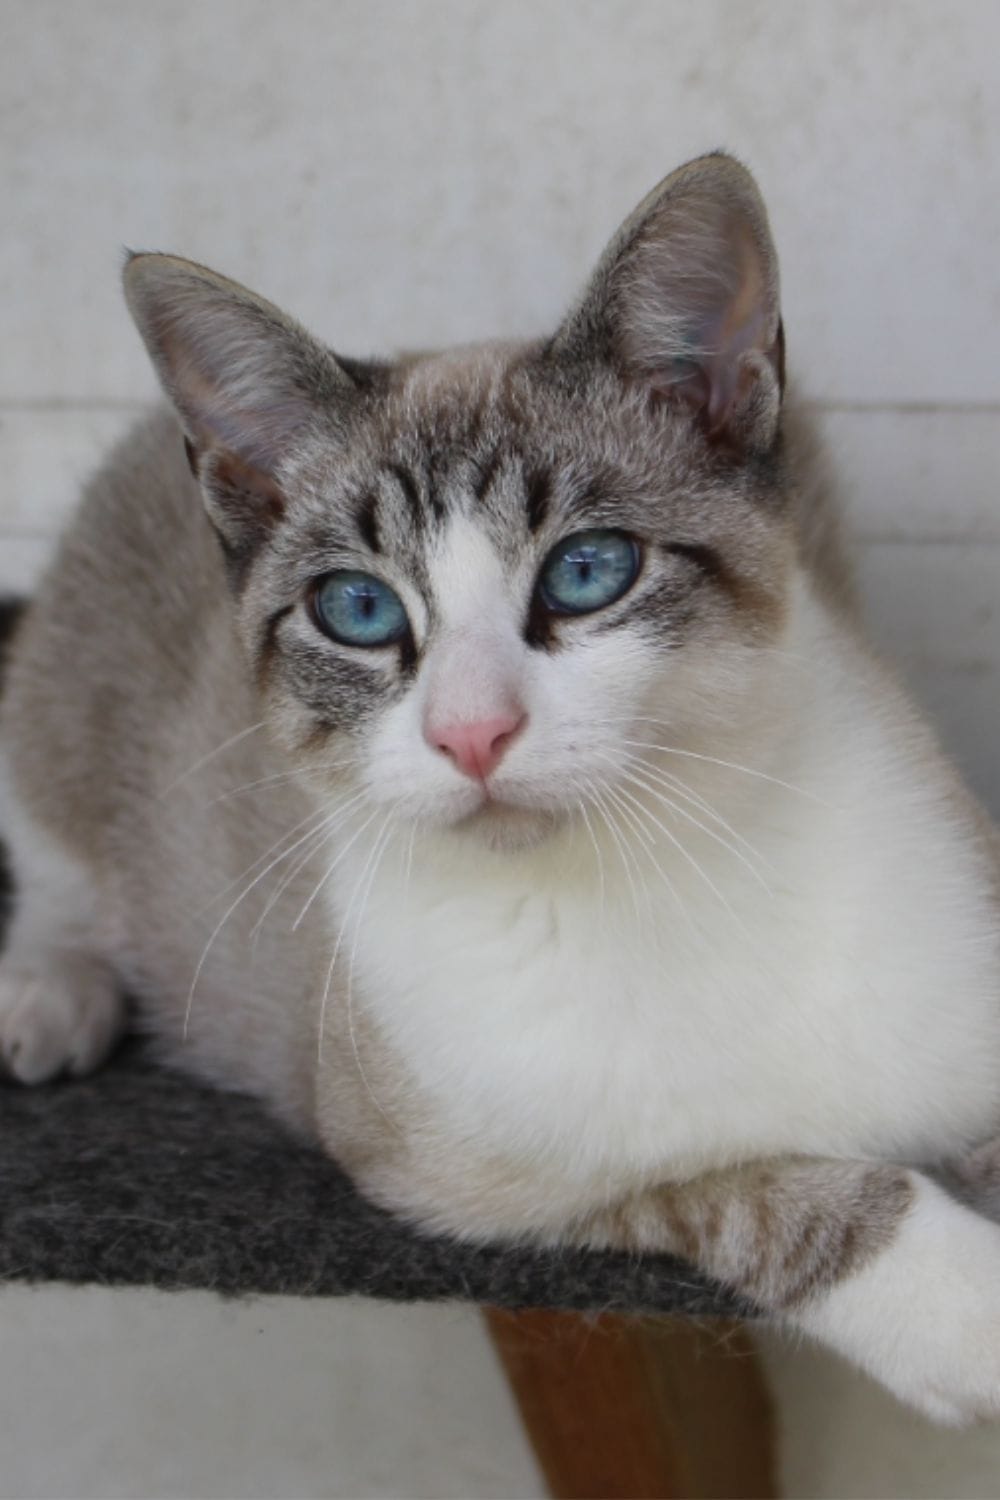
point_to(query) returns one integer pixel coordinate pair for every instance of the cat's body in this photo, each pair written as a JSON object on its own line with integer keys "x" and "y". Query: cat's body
{"x": 722, "y": 944}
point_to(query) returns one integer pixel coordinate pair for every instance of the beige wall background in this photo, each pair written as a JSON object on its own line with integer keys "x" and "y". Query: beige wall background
{"x": 412, "y": 172}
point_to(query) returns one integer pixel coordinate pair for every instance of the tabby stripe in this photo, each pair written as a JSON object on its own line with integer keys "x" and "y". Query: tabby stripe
{"x": 367, "y": 519}
{"x": 538, "y": 494}
{"x": 411, "y": 493}
{"x": 486, "y": 473}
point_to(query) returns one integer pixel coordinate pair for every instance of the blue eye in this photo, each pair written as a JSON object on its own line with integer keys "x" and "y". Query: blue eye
{"x": 359, "y": 610}
{"x": 588, "y": 571}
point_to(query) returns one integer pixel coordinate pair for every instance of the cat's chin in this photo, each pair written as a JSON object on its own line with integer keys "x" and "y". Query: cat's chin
{"x": 506, "y": 827}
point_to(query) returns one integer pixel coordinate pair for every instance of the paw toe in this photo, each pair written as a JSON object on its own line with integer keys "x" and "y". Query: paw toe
{"x": 50, "y": 1026}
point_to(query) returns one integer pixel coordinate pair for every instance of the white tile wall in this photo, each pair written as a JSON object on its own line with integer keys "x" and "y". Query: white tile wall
{"x": 405, "y": 172}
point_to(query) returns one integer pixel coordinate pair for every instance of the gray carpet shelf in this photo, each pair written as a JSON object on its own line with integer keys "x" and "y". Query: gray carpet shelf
{"x": 138, "y": 1177}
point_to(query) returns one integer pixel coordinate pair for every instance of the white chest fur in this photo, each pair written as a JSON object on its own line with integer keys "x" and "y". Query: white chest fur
{"x": 640, "y": 1032}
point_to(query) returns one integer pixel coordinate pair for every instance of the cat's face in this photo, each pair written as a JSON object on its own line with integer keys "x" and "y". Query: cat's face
{"x": 474, "y": 586}
{"x": 499, "y": 584}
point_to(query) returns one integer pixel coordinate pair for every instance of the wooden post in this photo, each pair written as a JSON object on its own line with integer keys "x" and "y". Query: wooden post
{"x": 621, "y": 1408}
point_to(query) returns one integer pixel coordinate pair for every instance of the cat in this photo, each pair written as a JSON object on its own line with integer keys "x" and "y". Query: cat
{"x": 476, "y": 758}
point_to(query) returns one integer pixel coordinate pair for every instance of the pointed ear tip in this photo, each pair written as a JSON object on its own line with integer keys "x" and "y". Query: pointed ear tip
{"x": 721, "y": 180}
{"x": 131, "y": 274}
{"x": 725, "y": 163}
{"x": 137, "y": 266}
{"x": 150, "y": 274}
{"x": 719, "y": 170}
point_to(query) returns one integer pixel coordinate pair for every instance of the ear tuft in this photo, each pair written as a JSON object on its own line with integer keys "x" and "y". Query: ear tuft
{"x": 685, "y": 299}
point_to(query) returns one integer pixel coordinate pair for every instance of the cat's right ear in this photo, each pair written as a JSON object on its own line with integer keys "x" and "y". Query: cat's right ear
{"x": 247, "y": 382}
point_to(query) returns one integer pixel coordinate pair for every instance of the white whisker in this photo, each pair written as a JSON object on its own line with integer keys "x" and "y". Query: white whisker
{"x": 715, "y": 760}
{"x": 329, "y": 979}
{"x": 324, "y": 834}
{"x": 225, "y": 918}
{"x": 686, "y": 854}
{"x": 310, "y": 817}
{"x": 631, "y": 719}
{"x": 383, "y": 840}
{"x": 234, "y": 739}
{"x": 340, "y": 938}
{"x": 640, "y": 780}
{"x": 624, "y": 853}
{"x": 649, "y": 844}
{"x": 582, "y": 808}
{"x": 670, "y": 780}
{"x": 331, "y": 867}
{"x": 408, "y": 871}
{"x": 627, "y": 812}
{"x": 277, "y": 778}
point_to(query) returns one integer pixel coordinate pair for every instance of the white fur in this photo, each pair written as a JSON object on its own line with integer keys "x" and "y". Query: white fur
{"x": 60, "y": 1004}
{"x": 574, "y": 1009}
{"x": 924, "y": 1316}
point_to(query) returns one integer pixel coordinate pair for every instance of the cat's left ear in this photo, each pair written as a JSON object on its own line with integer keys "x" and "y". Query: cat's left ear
{"x": 247, "y": 382}
{"x": 685, "y": 301}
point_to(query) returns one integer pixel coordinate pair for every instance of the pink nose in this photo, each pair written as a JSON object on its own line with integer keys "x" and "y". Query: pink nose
{"x": 477, "y": 749}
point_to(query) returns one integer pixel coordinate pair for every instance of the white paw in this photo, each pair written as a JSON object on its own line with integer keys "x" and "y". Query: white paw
{"x": 62, "y": 1015}
{"x": 923, "y": 1317}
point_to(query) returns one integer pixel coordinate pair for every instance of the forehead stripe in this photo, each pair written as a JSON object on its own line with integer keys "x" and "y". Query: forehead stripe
{"x": 367, "y": 519}
{"x": 485, "y": 475}
{"x": 538, "y": 492}
{"x": 411, "y": 492}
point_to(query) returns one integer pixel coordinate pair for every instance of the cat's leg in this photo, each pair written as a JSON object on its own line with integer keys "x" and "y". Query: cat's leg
{"x": 61, "y": 1009}
{"x": 975, "y": 1177}
{"x": 876, "y": 1261}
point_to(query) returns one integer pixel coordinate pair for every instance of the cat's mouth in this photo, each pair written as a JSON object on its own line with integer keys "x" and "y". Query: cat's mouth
{"x": 501, "y": 824}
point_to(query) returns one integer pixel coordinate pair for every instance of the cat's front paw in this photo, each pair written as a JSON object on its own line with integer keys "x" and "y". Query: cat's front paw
{"x": 923, "y": 1317}
{"x": 62, "y": 1014}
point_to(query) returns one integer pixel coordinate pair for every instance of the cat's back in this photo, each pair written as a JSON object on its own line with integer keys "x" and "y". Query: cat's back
{"x": 113, "y": 641}
{"x": 138, "y": 555}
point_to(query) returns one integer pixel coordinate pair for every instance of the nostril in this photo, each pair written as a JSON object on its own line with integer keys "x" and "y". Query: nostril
{"x": 504, "y": 736}
{"x": 438, "y": 742}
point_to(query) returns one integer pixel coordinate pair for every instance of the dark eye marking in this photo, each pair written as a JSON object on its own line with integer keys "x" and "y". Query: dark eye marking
{"x": 712, "y": 566}
{"x": 704, "y": 558}
{"x": 411, "y": 492}
{"x": 367, "y": 519}
{"x": 750, "y": 597}
{"x": 268, "y": 643}
{"x": 538, "y": 493}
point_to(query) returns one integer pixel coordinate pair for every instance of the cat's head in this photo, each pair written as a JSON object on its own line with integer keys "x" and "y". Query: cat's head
{"x": 473, "y": 585}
